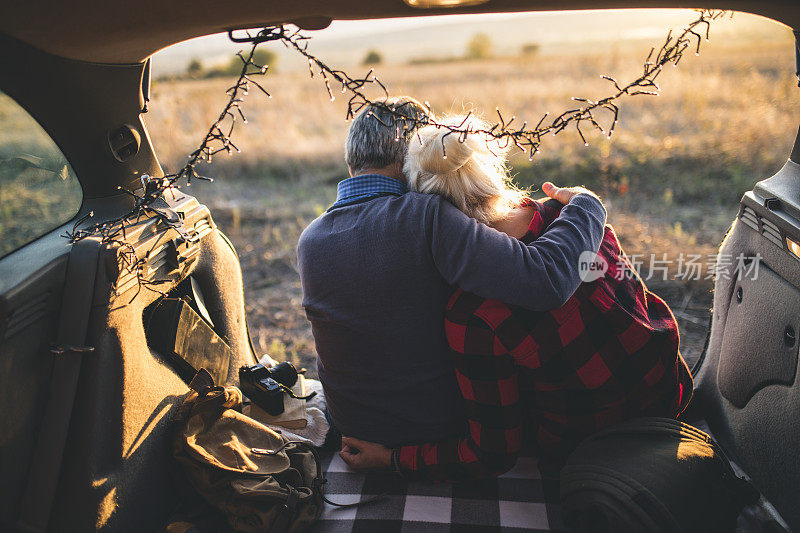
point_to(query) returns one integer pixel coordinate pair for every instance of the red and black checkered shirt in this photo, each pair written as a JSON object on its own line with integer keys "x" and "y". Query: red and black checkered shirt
{"x": 609, "y": 354}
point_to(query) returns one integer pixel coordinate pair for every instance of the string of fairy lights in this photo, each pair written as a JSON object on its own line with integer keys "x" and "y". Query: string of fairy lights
{"x": 598, "y": 114}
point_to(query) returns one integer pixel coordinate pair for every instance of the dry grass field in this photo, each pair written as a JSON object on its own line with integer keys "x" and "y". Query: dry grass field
{"x": 671, "y": 176}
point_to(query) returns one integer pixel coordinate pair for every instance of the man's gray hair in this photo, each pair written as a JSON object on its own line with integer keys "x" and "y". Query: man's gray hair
{"x": 378, "y": 138}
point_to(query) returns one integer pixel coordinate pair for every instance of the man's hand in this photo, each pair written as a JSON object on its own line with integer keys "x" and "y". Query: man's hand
{"x": 564, "y": 194}
{"x": 362, "y": 455}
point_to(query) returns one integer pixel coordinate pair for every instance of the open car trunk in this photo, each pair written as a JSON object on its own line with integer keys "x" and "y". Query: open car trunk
{"x": 116, "y": 468}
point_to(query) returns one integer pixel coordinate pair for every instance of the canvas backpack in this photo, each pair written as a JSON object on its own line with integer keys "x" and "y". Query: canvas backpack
{"x": 260, "y": 480}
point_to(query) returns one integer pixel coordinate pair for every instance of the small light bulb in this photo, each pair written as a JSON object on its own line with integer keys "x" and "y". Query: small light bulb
{"x": 793, "y": 247}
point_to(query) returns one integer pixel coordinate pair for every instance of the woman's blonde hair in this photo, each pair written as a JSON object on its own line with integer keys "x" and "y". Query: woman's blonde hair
{"x": 469, "y": 170}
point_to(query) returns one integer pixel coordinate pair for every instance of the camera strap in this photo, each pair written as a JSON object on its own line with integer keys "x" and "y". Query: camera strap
{"x": 293, "y": 394}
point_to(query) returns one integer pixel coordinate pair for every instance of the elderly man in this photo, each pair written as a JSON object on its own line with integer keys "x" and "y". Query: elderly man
{"x": 377, "y": 270}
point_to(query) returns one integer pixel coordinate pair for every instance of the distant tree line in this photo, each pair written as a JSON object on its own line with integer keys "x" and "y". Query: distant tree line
{"x": 196, "y": 70}
{"x": 479, "y": 47}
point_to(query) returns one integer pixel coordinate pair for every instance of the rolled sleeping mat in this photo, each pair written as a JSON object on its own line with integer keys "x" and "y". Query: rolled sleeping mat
{"x": 654, "y": 475}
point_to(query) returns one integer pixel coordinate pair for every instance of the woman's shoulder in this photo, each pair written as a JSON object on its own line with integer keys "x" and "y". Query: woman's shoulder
{"x": 517, "y": 222}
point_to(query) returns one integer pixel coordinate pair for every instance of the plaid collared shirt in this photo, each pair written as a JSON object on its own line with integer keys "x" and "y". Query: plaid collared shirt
{"x": 609, "y": 354}
{"x": 360, "y": 188}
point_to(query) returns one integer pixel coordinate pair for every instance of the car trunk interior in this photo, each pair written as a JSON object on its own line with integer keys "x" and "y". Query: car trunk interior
{"x": 82, "y": 73}
{"x": 117, "y": 452}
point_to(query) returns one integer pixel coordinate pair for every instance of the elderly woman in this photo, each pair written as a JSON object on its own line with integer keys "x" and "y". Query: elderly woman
{"x": 609, "y": 354}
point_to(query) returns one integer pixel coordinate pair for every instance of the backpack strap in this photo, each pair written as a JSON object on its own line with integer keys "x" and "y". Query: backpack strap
{"x": 281, "y": 524}
{"x": 317, "y": 484}
{"x": 39, "y": 493}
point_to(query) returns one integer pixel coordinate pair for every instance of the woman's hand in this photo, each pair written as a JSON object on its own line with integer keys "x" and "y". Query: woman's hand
{"x": 363, "y": 455}
{"x": 564, "y": 194}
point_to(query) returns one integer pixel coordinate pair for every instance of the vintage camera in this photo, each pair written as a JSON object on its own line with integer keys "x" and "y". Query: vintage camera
{"x": 266, "y": 386}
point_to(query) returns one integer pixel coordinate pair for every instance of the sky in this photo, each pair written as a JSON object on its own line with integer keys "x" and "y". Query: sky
{"x": 399, "y": 40}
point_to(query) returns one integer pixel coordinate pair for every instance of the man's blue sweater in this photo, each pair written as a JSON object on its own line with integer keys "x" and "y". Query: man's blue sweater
{"x": 376, "y": 278}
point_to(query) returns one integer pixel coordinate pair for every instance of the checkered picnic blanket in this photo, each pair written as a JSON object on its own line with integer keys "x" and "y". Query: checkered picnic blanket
{"x": 518, "y": 501}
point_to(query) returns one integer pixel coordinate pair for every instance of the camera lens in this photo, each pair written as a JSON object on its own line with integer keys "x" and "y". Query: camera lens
{"x": 284, "y": 373}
